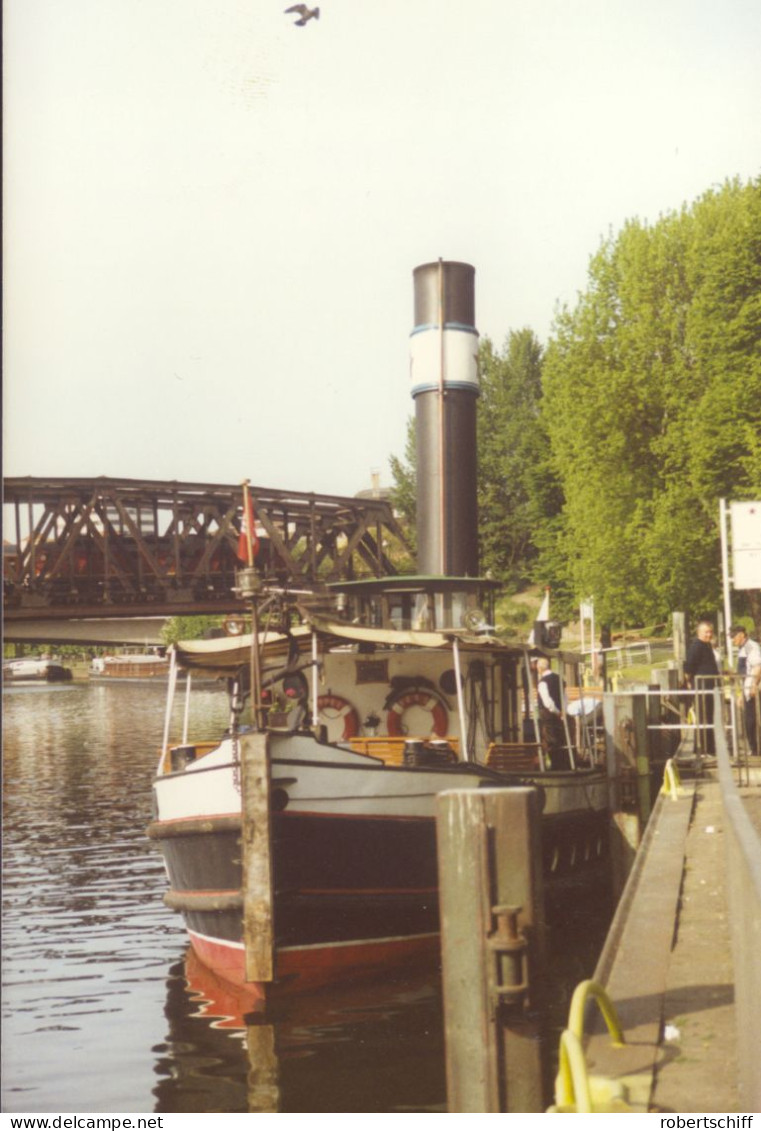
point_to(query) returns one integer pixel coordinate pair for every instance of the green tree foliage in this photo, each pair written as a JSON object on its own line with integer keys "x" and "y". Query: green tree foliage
{"x": 517, "y": 490}
{"x": 652, "y": 400}
{"x": 188, "y": 628}
{"x": 403, "y": 473}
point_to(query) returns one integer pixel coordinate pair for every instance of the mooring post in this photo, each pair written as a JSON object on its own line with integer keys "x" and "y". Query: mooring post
{"x": 258, "y": 928}
{"x": 667, "y": 680}
{"x": 491, "y": 901}
{"x": 263, "y": 1078}
{"x": 679, "y": 632}
{"x": 626, "y": 746}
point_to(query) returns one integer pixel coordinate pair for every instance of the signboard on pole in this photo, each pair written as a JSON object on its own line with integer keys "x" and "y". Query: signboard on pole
{"x": 745, "y": 521}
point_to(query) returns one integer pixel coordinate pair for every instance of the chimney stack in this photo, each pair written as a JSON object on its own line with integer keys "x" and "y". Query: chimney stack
{"x": 444, "y": 372}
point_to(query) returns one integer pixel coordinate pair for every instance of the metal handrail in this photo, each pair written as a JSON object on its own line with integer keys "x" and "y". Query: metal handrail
{"x": 671, "y": 780}
{"x": 581, "y": 995}
{"x": 743, "y": 871}
{"x": 573, "y": 1085}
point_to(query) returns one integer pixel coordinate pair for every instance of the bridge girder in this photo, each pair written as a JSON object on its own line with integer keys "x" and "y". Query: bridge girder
{"x": 125, "y": 547}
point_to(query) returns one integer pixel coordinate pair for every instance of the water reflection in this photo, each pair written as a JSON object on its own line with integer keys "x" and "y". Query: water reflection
{"x": 86, "y": 938}
{"x": 372, "y": 1047}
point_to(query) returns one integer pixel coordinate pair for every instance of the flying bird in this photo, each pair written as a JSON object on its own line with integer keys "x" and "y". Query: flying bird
{"x": 304, "y": 12}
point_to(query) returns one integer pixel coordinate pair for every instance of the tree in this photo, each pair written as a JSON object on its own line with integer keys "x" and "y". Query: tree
{"x": 517, "y": 489}
{"x": 652, "y": 400}
{"x": 188, "y": 628}
{"x": 403, "y": 492}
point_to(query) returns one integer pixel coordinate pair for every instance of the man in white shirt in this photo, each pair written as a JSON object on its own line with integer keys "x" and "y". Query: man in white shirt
{"x": 749, "y": 667}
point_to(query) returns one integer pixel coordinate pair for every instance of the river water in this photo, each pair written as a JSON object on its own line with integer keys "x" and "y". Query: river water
{"x": 102, "y": 1009}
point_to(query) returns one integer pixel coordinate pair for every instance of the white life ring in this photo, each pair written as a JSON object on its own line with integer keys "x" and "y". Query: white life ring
{"x": 421, "y": 697}
{"x": 334, "y": 707}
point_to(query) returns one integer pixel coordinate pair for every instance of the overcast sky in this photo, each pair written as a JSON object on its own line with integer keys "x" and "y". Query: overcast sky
{"x": 211, "y": 216}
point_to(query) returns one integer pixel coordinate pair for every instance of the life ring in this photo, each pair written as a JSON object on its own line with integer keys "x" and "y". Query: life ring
{"x": 341, "y": 709}
{"x": 417, "y": 698}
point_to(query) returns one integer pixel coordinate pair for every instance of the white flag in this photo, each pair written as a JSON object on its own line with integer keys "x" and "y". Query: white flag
{"x": 543, "y": 614}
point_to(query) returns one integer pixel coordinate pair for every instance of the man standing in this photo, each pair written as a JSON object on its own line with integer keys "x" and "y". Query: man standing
{"x": 701, "y": 671}
{"x": 551, "y": 728}
{"x": 749, "y": 668}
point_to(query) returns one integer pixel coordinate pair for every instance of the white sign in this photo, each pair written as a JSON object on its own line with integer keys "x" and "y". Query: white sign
{"x": 746, "y": 545}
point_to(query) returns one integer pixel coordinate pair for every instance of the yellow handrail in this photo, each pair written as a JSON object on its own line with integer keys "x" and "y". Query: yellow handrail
{"x": 575, "y": 1090}
{"x": 671, "y": 780}
{"x": 581, "y": 995}
{"x": 572, "y": 1084}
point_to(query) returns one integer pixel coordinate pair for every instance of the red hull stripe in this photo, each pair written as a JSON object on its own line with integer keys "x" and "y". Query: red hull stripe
{"x": 198, "y": 817}
{"x": 308, "y": 967}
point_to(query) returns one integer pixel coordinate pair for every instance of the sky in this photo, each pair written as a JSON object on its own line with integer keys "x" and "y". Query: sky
{"x": 211, "y": 216}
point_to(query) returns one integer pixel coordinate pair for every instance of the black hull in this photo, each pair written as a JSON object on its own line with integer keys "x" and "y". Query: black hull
{"x": 350, "y": 879}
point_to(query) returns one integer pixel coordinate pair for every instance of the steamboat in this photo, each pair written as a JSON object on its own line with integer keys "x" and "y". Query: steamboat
{"x": 366, "y": 699}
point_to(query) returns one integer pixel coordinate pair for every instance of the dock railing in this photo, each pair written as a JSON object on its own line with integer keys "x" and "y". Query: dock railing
{"x": 743, "y": 863}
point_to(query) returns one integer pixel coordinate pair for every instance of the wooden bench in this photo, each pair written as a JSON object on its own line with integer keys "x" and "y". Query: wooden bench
{"x": 513, "y": 757}
{"x": 390, "y": 748}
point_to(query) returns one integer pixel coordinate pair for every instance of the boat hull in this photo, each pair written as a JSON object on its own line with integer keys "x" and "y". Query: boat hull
{"x": 35, "y": 671}
{"x": 354, "y": 855}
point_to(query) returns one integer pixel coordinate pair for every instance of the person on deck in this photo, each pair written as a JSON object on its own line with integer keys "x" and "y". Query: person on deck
{"x": 749, "y": 668}
{"x": 551, "y": 727}
{"x": 701, "y": 671}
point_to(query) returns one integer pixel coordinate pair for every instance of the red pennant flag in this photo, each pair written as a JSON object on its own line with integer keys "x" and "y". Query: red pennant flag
{"x": 248, "y": 540}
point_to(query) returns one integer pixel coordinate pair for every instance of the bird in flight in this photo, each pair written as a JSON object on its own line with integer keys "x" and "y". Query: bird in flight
{"x": 305, "y": 13}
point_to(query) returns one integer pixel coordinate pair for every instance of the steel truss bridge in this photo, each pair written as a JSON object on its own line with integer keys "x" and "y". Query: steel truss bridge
{"x": 80, "y": 548}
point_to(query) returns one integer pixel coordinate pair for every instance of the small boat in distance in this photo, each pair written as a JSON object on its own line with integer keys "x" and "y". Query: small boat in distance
{"x": 135, "y": 666}
{"x": 35, "y": 670}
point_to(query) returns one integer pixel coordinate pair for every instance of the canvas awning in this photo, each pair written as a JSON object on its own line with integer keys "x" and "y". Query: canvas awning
{"x": 223, "y": 656}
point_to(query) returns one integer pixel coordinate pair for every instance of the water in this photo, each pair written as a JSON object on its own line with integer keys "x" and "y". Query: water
{"x": 101, "y": 1013}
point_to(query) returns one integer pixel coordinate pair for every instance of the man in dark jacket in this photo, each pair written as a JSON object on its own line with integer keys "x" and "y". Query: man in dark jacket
{"x": 551, "y": 725}
{"x": 701, "y": 672}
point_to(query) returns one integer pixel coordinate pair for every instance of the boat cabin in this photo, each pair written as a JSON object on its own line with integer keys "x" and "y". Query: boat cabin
{"x": 418, "y": 603}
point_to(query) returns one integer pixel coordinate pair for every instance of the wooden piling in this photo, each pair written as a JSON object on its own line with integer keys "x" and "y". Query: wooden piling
{"x": 491, "y": 900}
{"x": 263, "y": 1077}
{"x": 679, "y": 632}
{"x": 626, "y": 745}
{"x": 258, "y": 927}
{"x": 670, "y": 710}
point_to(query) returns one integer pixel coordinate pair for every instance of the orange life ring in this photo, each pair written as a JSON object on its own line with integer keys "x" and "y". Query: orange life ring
{"x": 420, "y": 698}
{"x": 342, "y": 709}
